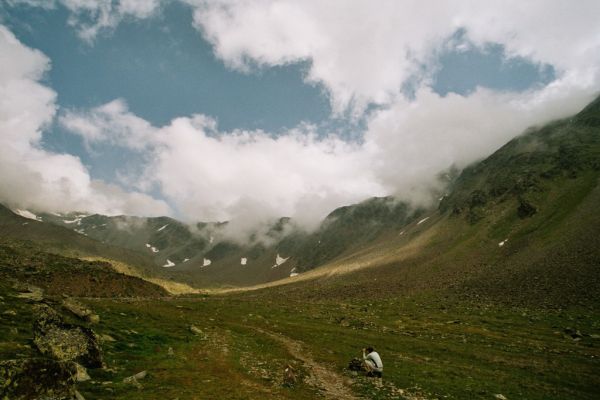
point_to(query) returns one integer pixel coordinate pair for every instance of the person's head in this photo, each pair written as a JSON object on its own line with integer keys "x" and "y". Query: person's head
{"x": 370, "y": 349}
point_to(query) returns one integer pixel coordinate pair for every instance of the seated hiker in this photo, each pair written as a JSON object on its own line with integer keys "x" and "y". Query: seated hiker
{"x": 372, "y": 362}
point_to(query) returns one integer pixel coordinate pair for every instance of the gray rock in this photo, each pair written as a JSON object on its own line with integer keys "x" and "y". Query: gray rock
{"x": 33, "y": 293}
{"x": 80, "y": 311}
{"x": 106, "y": 338}
{"x": 81, "y": 375}
{"x": 37, "y": 378}
{"x": 65, "y": 342}
{"x": 199, "y": 332}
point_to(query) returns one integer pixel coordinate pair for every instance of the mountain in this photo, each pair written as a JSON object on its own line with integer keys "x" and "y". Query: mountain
{"x": 202, "y": 255}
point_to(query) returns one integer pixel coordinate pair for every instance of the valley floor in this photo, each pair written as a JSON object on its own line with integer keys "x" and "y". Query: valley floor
{"x": 238, "y": 347}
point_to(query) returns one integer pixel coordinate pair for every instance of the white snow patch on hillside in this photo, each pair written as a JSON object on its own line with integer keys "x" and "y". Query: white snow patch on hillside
{"x": 423, "y": 220}
{"x": 206, "y": 262}
{"x": 243, "y": 261}
{"x": 186, "y": 259}
{"x": 81, "y": 232}
{"x": 401, "y": 233}
{"x": 73, "y": 221}
{"x": 279, "y": 260}
{"x": 154, "y": 249}
{"x": 169, "y": 264}
{"x": 212, "y": 239}
{"x": 27, "y": 214}
{"x": 162, "y": 227}
{"x": 502, "y": 243}
{"x": 293, "y": 273}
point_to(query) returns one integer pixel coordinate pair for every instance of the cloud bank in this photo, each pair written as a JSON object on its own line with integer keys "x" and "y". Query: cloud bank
{"x": 31, "y": 177}
{"x": 362, "y": 54}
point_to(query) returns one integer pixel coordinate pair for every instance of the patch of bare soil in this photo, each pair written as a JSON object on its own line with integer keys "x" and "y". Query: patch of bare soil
{"x": 328, "y": 381}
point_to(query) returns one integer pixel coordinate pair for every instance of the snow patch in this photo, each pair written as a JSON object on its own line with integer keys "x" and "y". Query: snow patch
{"x": 212, "y": 239}
{"x": 186, "y": 259}
{"x": 162, "y": 227}
{"x": 169, "y": 264}
{"x": 423, "y": 220}
{"x": 401, "y": 233}
{"x": 154, "y": 249}
{"x": 279, "y": 260}
{"x": 27, "y": 214}
{"x": 293, "y": 273}
{"x": 73, "y": 221}
{"x": 243, "y": 261}
{"x": 206, "y": 262}
{"x": 502, "y": 243}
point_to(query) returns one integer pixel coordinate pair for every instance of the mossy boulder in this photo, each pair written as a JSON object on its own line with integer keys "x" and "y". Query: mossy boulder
{"x": 62, "y": 341}
{"x": 37, "y": 378}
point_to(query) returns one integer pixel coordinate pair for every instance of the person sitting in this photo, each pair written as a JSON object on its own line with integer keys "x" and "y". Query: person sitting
{"x": 372, "y": 362}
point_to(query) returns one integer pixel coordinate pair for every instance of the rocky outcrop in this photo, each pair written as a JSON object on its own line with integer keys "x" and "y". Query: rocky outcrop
{"x": 62, "y": 341}
{"x": 37, "y": 378}
{"x": 80, "y": 311}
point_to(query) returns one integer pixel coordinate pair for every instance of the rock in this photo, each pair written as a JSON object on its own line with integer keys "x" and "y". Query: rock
{"x": 81, "y": 375}
{"x": 65, "y": 342}
{"x": 500, "y": 396}
{"x": 199, "y": 332}
{"x": 355, "y": 365}
{"x": 289, "y": 376}
{"x": 32, "y": 293}
{"x": 170, "y": 352}
{"x": 140, "y": 375}
{"x": 134, "y": 379}
{"x": 80, "y": 311}
{"x": 106, "y": 338}
{"x": 37, "y": 378}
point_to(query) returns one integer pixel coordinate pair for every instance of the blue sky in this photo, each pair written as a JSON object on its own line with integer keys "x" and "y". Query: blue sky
{"x": 274, "y": 79}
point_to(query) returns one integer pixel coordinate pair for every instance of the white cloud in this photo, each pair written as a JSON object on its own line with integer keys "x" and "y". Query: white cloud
{"x": 31, "y": 177}
{"x": 363, "y": 52}
{"x": 90, "y": 17}
{"x": 410, "y": 142}
{"x": 241, "y": 175}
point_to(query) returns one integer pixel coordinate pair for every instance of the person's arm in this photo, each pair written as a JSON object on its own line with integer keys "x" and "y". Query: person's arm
{"x": 364, "y": 354}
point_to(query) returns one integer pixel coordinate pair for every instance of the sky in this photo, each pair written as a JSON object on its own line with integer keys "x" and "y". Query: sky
{"x": 252, "y": 110}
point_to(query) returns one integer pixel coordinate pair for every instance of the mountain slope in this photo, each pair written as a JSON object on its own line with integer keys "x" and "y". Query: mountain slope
{"x": 520, "y": 227}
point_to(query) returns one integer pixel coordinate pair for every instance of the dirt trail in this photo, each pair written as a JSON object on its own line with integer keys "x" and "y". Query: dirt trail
{"x": 329, "y": 381}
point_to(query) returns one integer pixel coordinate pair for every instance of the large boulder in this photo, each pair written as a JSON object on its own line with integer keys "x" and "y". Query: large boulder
{"x": 55, "y": 338}
{"x": 37, "y": 378}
